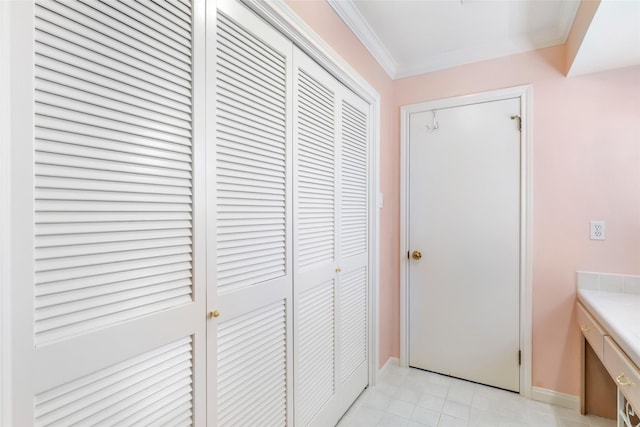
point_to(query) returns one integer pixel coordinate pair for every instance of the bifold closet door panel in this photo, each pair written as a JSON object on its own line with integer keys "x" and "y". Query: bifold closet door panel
{"x": 353, "y": 247}
{"x": 250, "y": 335}
{"x": 315, "y": 234}
{"x": 116, "y": 136}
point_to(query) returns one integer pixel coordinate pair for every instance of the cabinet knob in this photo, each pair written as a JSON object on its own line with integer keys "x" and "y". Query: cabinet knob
{"x": 416, "y": 255}
{"x": 338, "y": 270}
{"x": 214, "y": 313}
{"x": 623, "y": 381}
{"x": 585, "y": 328}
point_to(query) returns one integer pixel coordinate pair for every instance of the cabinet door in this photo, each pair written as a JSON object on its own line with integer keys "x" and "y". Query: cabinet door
{"x": 108, "y": 290}
{"x": 250, "y": 340}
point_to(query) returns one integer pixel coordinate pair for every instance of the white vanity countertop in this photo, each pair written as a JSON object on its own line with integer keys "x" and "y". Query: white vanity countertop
{"x": 619, "y": 314}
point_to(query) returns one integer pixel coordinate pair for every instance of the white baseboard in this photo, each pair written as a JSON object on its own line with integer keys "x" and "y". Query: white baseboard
{"x": 555, "y": 398}
{"x": 392, "y": 361}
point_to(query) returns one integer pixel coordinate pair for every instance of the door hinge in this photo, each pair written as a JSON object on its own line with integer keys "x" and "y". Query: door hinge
{"x": 519, "y": 121}
{"x": 519, "y": 357}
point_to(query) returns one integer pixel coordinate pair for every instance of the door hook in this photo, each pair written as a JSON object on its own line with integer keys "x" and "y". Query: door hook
{"x": 435, "y": 122}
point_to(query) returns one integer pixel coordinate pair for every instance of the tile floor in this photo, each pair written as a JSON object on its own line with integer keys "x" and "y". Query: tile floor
{"x": 407, "y": 397}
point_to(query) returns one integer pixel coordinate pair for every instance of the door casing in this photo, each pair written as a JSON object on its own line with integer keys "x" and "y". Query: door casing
{"x": 524, "y": 94}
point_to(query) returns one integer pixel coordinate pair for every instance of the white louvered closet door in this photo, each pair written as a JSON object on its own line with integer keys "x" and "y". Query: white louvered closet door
{"x": 113, "y": 318}
{"x": 251, "y": 340}
{"x": 315, "y": 233}
{"x": 330, "y": 290}
{"x": 353, "y": 248}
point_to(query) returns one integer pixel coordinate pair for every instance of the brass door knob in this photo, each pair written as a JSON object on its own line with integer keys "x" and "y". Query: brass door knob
{"x": 214, "y": 313}
{"x": 416, "y": 255}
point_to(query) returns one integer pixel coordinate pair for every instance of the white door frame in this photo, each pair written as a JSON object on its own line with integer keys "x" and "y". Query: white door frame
{"x": 524, "y": 93}
{"x": 281, "y": 17}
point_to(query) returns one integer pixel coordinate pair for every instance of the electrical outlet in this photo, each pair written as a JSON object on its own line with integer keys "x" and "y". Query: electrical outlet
{"x": 597, "y": 230}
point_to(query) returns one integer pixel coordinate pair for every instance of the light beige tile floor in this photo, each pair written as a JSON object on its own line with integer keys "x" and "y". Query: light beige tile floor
{"x": 407, "y": 397}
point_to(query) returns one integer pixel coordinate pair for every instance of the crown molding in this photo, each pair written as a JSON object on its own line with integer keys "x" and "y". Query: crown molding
{"x": 351, "y": 16}
{"x": 475, "y": 54}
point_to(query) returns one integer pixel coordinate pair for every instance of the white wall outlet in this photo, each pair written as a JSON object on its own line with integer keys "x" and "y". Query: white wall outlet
{"x": 597, "y": 230}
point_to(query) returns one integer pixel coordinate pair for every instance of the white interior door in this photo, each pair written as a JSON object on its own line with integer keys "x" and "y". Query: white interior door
{"x": 465, "y": 220}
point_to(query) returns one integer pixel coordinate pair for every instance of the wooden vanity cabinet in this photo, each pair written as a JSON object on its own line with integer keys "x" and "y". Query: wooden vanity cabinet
{"x": 597, "y": 388}
{"x": 610, "y": 381}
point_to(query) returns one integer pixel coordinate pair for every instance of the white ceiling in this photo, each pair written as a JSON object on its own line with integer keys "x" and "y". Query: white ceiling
{"x": 409, "y": 37}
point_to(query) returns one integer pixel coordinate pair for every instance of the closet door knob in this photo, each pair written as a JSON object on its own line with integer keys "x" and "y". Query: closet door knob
{"x": 214, "y": 313}
{"x": 416, "y": 255}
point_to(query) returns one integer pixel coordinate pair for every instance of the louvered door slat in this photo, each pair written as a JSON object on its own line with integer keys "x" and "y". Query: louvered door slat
{"x": 79, "y": 72}
{"x": 55, "y": 55}
{"x": 178, "y": 9}
{"x": 46, "y": 253}
{"x": 48, "y": 92}
{"x": 268, "y": 146}
{"x": 315, "y": 158}
{"x": 249, "y": 52}
{"x": 112, "y": 167}
{"x": 240, "y": 353}
{"x": 247, "y": 124}
{"x": 250, "y": 48}
{"x": 315, "y": 346}
{"x": 354, "y": 199}
{"x": 149, "y": 33}
{"x": 82, "y": 20}
{"x": 83, "y": 137}
{"x": 96, "y": 171}
{"x": 132, "y": 384}
{"x": 124, "y": 29}
{"x": 48, "y": 74}
{"x": 50, "y": 36}
{"x": 49, "y": 320}
{"x": 158, "y": 11}
{"x": 353, "y": 322}
{"x": 139, "y": 288}
{"x": 162, "y": 408}
{"x": 56, "y": 146}
{"x": 154, "y": 17}
{"x": 73, "y": 111}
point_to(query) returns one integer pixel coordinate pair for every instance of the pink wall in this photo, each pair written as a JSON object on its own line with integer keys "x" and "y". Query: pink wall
{"x": 323, "y": 20}
{"x": 586, "y": 165}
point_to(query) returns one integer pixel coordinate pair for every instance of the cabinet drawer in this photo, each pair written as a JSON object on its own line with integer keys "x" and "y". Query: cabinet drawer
{"x": 591, "y": 330}
{"x": 624, "y": 372}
